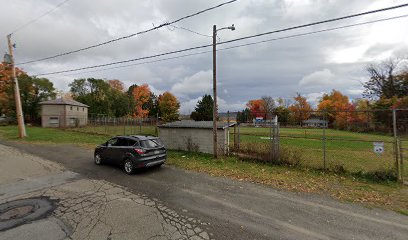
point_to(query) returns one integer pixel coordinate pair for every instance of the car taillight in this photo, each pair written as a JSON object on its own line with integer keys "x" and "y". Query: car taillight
{"x": 140, "y": 151}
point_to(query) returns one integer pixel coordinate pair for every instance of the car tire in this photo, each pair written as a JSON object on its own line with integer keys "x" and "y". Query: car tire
{"x": 128, "y": 166}
{"x": 98, "y": 159}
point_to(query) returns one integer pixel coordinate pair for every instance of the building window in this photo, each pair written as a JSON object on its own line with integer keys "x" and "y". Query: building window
{"x": 70, "y": 108}
{"x": 53, "y": 121}
{"x": 83, "y": 109}
{"x": 77, "y": 108}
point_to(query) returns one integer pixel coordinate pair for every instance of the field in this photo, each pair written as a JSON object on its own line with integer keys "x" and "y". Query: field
{"x": 345, "y": 150}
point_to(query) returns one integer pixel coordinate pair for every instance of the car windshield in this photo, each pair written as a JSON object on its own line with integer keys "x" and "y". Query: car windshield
{"x": 151, "y": 143}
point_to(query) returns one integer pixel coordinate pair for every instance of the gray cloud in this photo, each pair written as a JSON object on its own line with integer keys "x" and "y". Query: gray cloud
{"x": 275, "y": 68}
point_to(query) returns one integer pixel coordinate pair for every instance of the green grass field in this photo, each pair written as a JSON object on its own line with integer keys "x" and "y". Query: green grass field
{"x": 344, "y": 149}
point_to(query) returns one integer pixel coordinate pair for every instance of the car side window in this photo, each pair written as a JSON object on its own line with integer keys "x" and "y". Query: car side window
{"x": 112, "y": 141}
{"x": 121, "y": 142}
{"x": 131, "y": 142}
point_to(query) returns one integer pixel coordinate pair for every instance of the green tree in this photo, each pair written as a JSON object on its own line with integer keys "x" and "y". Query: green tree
{"x": 244, "y": 116}
{"x": 204, "y": 109}
{"x": 283, "y": 114}
{"x": 152, "y": 105}
{"x": 101, "y": 97}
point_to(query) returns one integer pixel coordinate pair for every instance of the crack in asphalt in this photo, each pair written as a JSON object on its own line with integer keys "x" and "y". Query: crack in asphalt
{"x": 86, "y": 212}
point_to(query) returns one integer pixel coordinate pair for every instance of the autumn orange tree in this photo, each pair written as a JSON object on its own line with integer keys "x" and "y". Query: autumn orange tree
{"x": 301, "y": 109}
{"x": 6, "y": 89}
{"x": 256, "y": 106}
{"x": 168, "y": 107}
{"x": 141, "y": 96}
{"x": 339, "y": 109}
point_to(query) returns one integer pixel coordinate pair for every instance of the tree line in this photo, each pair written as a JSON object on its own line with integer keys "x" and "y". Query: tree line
{"x": 107, "y": 97}
{"x": 386, "y": 89}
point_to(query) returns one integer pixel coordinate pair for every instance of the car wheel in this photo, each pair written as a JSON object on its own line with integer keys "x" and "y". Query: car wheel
{"x": 128, "y": 166}
{"x": 98, "y": 159}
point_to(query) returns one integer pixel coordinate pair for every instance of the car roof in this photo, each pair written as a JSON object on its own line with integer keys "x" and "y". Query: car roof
{"x": 137, "y": 137}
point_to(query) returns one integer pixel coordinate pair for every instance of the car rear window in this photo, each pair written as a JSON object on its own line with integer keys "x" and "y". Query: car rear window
{"x": 151, "y": 143}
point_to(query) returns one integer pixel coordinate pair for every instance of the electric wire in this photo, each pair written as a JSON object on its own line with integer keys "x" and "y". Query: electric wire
{"x": 318, "y": 23}
{"x": 38, "y": 18}
{"x": 128, "y": 36}
{"x": 191, "y": 31}
{"x": 242, "y": 45}
{"x": 229, "y": 41}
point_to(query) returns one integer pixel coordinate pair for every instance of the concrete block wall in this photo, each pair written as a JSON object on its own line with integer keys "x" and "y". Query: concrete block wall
{"x": 192, "y": 139}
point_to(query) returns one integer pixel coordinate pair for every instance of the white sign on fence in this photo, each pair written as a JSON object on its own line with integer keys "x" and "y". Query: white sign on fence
{"x": 378, "y": 148}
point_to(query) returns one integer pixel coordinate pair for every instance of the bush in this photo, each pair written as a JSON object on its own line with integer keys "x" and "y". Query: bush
{"x": 263, "y": 152}
{"x": 378, "y": 176}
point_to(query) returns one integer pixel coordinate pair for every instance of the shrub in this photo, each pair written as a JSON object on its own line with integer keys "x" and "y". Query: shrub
{"x": 263, "y": 152}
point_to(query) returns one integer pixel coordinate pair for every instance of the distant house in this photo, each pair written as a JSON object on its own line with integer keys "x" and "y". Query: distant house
{"x": 315, "y": 122}
{"x": 195, "y": 136}
{"x": 63, "y": 113}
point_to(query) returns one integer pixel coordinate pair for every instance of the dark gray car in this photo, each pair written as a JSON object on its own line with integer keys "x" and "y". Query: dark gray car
{"x": 131, "y": 152}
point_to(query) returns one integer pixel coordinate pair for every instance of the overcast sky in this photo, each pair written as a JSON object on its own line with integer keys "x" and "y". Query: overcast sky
{"x": 310, "y": 64}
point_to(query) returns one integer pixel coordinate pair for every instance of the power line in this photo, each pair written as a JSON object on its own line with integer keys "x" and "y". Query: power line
{"x": 314, "y": 32}
{"x": 317, "y": 23}
{"x": 189, "y": 30}
{"x": 229, "y": 41}
{"x": 129, "y": 36}
{"x": 141, "y": 63}
{"x": 39, "y": 17}
{"x": 246, "y": 44}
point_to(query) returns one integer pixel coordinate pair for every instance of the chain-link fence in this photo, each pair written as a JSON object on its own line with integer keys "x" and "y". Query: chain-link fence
{"x": 102, "y": 124}
{"x": 372, "y": 143}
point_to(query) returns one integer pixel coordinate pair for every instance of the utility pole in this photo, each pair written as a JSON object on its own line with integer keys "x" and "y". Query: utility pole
{"x": 215, "y": 110}
{"x": 19, "y": 110}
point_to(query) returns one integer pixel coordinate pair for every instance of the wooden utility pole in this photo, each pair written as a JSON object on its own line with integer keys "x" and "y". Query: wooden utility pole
{"x": 215, "y": 112}
{"x": 19, "y": 110}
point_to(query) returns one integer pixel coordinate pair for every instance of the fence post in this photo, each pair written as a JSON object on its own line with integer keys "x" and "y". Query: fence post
{"x": 228, "y": 133}
{"x": 324, "y": 141}
{"x": 238, "y": 136}
{"x": 235, "y": 136}
{"x": 271, "y": 140}
{"x": 401, "y": 153}
{"x": 396, "y": 148}
{"x": 276, "y": 139}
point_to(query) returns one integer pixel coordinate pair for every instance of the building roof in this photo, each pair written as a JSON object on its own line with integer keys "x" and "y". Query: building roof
{"x": 61, "y": 101}
{"x": 196, "y": 124}
{"x": 314, "y": 120}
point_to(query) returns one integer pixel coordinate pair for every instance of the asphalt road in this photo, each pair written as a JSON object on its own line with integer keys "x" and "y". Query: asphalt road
{"x": 237, "y": 210}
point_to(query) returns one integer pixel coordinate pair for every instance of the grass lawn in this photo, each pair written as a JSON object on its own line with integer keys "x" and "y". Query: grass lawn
{"x": 387, "y": 195}
{"x": 350, "y": 150}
